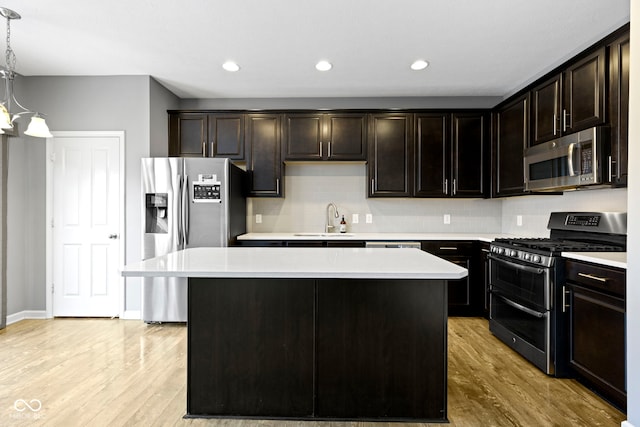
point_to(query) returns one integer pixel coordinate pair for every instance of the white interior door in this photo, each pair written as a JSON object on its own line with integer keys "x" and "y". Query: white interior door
{"x": 86, "y": 210}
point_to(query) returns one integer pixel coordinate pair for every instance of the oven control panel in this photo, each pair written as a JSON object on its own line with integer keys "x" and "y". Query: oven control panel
{"x": 583, "y": 220}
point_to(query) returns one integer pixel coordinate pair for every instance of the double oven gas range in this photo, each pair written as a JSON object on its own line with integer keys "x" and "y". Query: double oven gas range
{"x": 526, "y": 286}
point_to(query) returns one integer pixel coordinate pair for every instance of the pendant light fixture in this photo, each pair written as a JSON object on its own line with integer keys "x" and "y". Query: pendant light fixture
{"x": 37, "y": 127}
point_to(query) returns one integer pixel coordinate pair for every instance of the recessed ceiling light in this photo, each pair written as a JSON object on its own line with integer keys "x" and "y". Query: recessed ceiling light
{"x": 420, "y": 64}
{"x": 231, "y": 66}
{"x": 324, "y": 66}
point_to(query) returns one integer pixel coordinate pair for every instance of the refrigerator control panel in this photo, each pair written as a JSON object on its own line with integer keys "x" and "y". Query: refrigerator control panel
{"x": 206, "y": 189}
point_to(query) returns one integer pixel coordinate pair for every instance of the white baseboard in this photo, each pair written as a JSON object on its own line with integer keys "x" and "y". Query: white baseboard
{"x": 26, "y": 314}
{"x": 131, "y": 315}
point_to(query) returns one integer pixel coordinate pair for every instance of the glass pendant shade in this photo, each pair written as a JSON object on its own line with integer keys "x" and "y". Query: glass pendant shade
{"x": 38, "y": 128}
{"x": 5, "y": 119}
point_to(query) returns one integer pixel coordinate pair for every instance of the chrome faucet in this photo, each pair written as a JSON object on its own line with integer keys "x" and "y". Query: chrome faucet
{"x": 329, "y": 225}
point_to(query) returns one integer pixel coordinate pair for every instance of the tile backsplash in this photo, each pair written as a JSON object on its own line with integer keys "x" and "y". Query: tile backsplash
{"x": 310, "y": 186}
{"x": 535, "y": 210}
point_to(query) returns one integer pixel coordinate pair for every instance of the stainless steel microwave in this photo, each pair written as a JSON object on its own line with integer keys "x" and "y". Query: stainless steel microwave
{"x": 568, "y": 162}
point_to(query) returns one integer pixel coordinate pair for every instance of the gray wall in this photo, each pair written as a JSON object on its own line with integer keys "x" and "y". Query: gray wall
{"x": 160, "y": 100}
{"x": 135, "y": 104}
{"x": 3, "y": 231}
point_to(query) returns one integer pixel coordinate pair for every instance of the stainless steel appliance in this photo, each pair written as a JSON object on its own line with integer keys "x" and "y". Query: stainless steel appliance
{"x": 568, "y": 162}
{"x": 394, "y": 245}
{"x": 526, "y": 283}
{"x": 187, "y": 203}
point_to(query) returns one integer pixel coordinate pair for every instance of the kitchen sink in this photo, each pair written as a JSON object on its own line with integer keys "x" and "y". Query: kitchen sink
{"x": 337, "y": 235}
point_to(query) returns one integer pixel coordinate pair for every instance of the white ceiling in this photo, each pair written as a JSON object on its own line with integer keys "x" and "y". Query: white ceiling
{"x": 474, "y": 47}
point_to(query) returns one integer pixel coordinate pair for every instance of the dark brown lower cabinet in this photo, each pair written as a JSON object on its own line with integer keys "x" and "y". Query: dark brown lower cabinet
{"x": 377, "y": 344}
{"x": 466, "y": 295}
{"x": 251, "y": 346}
{"x": 366, "y": 349}
{"x": 596, "y": 307}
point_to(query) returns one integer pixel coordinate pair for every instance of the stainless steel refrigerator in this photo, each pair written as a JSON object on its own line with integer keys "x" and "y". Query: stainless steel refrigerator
{"x": 187, "y": 203}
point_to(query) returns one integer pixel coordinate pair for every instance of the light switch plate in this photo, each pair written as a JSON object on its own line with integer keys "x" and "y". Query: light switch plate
{"x": 519, "y": 220}
{"x": 447, "y": 218}
{"x": 258, "y": 218}
{"x": 354, "y": 219}
{"x": 369, "y": 219}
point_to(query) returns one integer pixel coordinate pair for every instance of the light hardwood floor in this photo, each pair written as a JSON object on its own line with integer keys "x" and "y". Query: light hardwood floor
{"x": 100, "y": 372}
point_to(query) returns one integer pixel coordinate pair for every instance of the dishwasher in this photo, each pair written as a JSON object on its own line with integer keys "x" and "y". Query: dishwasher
{"x": 394, "y": 245}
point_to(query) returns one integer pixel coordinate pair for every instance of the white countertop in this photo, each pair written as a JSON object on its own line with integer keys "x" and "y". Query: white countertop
{"x": 485, "y": 237}
{"x": 349, "y": 263}
{"x": 611, "y": 259}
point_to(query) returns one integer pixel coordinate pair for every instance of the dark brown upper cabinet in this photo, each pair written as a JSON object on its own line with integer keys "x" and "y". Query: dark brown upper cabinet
{"x": 390, "y": 145}
{"x": 570, "y": 101}
{"x": 618, "y": 109}
{"x": 206, "y": 135}
{"x": 511, "y": 137}
{"x": 325, "y": 136}
{"x": 545, "y": 111}
{"x": 585, "y": 93}
{"x": 470, "y": 135}
{"x": 432, "y": 151}
{"x": 264, "y": 165}
{"x": 226, "y": 136}
{"x": 188, "y": 134}
{"x": 450, "y": 154}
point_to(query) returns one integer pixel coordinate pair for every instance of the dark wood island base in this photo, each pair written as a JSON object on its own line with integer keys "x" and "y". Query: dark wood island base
{"x": 304, "y": 348}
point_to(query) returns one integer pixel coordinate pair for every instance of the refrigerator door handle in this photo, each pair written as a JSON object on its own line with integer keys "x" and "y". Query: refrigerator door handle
{"x": 185, "y": 212}
{"x": 179, "y": 210}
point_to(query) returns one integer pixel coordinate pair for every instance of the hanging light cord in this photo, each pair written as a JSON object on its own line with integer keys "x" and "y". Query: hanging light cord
{"x": 9, "y": 75}
{"x": 10, "y": 56}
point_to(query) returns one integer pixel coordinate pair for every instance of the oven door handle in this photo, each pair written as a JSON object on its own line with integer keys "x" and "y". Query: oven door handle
{"x": 518, "y": 266}
{"x": 521, "y": 307}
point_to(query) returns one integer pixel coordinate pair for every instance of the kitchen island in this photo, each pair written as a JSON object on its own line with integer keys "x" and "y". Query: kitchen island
{"x": 314, "y": 333}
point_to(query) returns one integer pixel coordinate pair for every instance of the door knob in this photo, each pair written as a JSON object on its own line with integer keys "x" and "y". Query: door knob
{"x": 113, "y": 236}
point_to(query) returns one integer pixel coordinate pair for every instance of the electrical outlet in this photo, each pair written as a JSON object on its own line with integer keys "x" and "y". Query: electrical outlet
{"x": 519, "y": 220}
{"x": 447, "y": 218}
{"x": 355, "y": 219}
{"x": 369, "y": 219}
{"x": 258, "y": 218}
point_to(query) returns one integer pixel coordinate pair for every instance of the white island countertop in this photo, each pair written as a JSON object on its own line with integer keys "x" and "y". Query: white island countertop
{"x": 348, "y": 263}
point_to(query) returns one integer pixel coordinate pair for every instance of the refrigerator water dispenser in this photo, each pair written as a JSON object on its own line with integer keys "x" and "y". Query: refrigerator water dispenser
{"x": 156, "y": 220}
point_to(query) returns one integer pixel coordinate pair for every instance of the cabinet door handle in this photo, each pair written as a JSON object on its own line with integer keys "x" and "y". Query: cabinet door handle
{"x": 613, "y": 163}
{"x": 445, "y": 186}
{"x": 564, "y": 120}
{"x": 453, "y": 187}
{"x": 611, "y": 169}
{"x": 204, "y": 148}
{"x": 211, "y": 153}
{"x": 329, "y": 150}
{"x": 320, "y": 149}
{"x": 448, "y": 248}
{"x": 373, "y": 185}
{"x": 555, "y": 125}
{"x": 592, "y": 277}
{"x": 277, "y": 185}
{"x": 565, "y": 292}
